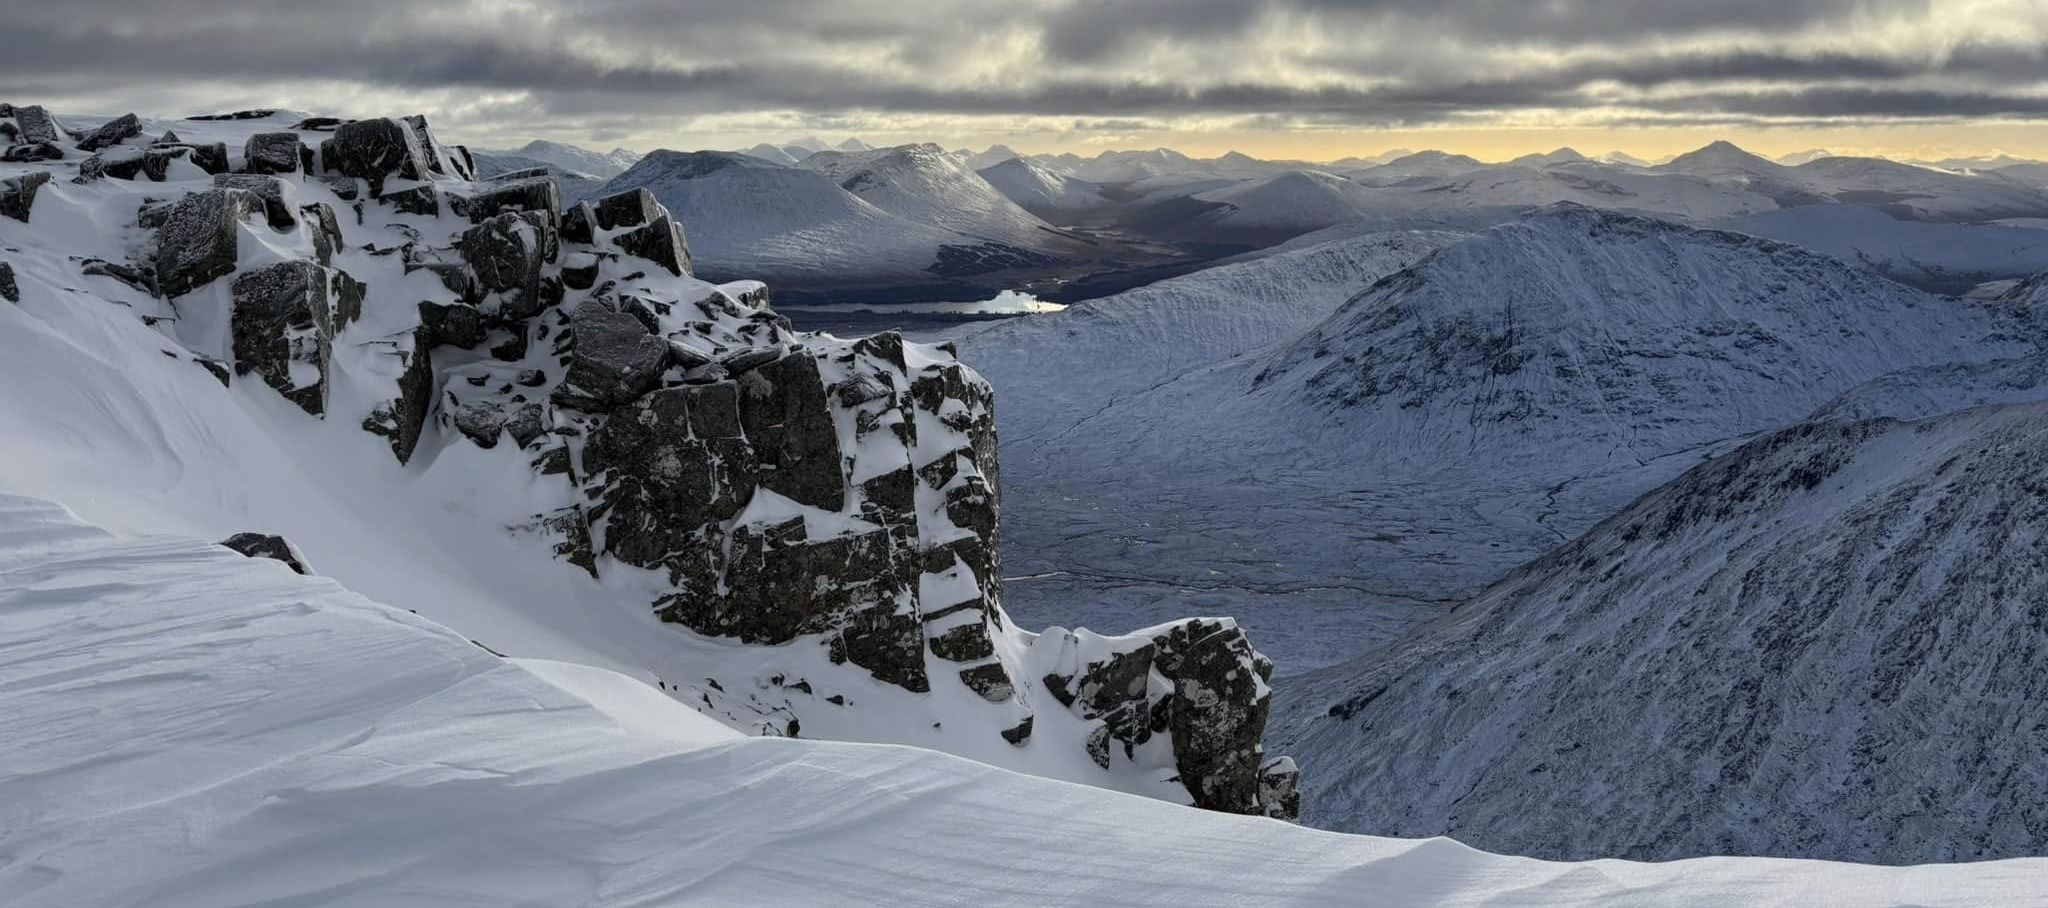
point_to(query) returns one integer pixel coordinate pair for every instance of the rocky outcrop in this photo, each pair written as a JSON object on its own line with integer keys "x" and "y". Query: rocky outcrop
{"x": 273, "y": 152}
{"x": 832, "y": 502}
{"x": 113, "y": 132}
{"x": 283, "y": 327}
{"x": 269, "y": 545}
{"x": 18, "y": 194}
{"x": 197, "y": 242}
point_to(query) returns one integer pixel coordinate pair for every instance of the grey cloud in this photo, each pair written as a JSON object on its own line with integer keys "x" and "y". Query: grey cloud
{"x": 609, "y": 67}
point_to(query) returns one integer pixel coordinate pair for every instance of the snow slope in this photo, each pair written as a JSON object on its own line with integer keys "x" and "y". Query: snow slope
{"x": 1948, "y": 258}
{"x": 751, "y": 217}
{"x": 1080, "y": 558}
{"x": 1825, "y": 644}
{"x": 1041, "y": 191}
{"x": 925, "y": 185}
{"x": 1287, "y": 204}
{"x": 603, "y": 165}
{"x": 1450, "y": 421}
{"x": 194, "y": 728}
{"x": 1669, "y": 195}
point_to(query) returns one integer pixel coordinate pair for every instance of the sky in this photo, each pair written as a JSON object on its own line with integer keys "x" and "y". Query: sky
{"x": 1303, "y": 79}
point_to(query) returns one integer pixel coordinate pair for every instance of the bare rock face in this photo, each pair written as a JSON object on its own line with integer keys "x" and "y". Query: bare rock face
{"x": 18, "y": 194}
{"x": 375, "y": 151}
{"x": 273, "y": 152}
{"x": 615, "y": 360}
{"x": 197, "y": 240}
{"x": 284, "y": 329}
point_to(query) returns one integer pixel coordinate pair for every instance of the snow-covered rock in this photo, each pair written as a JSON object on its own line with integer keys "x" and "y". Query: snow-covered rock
{"x": 1823, "y": 644}
{"x": 459, "y": 378}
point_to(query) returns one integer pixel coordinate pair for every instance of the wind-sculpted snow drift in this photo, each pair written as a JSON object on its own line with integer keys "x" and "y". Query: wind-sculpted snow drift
{"x": 556, "y": 377}
{"x": 284, "y": 741}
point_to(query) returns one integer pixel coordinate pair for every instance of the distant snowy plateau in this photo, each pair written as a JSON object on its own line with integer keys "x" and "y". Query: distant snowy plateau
{"x": 388, "y": 523}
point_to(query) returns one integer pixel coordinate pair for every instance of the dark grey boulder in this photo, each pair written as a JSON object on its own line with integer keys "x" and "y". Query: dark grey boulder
{"x": 631, "y": 208}
{"x": 1020, "y": 733}
{"x": 1217, "y": 712}
{"x": 137, "y": 278}
{"x": 538, "y": 194}
{"x": 38, "y": 127}
{"x": 32, "y": 151}
{"x": 453, "y": 325}
{"x": 197, "y": 241}
{"x": 660, "y": 242}
{"x": 423, "y": 200}
{"x": 403, "y": 417}
{"x": 9, "y": 290}
{"x": 276, "y": 211}
{"x": 272, "y": 153}
{"x": 375, "y": 150}
{"x": 18, "y": 194}
{"x": 673, "y": 461}
{"x": 113, "y": 132}
{"x": 283, "y": 330}
{"x": 326, "y": 229}
{"x": 267, "y": 545}
{"x": 481, "y": 421}
{"x": 256, "y": 113}
{"x": 789, "y": 420}
{"x": 991, "y": 681}
{"x": 1280, "y": 789}
{"x": 318, "y": 124}
{"x": 614, "y": 360}
{"x": 506, "y": 254}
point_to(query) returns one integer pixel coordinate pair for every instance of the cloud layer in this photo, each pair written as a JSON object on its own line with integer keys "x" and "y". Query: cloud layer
{"x": 615, "y": 68}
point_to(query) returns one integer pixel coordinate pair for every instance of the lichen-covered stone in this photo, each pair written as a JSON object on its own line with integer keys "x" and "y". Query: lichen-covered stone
{"x": 1217, "y": 713}
{"x": 453, "y": 325}
{"x": 539, "y": 195}
{"x": 507, "y": 254}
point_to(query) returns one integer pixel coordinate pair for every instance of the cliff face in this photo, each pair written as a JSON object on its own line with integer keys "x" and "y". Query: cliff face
{"x": 830, "y": 505}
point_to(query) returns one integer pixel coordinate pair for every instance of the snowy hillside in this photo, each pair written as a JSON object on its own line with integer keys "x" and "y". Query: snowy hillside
{"x": 1041, "y": 191}
{"x": 1450, "y": 421}
{"x": 1082, "y": 557}
{"x": 342, "y": 752}
{"x": 1669, "y": 195}
{"x": 534, "y": 423}
{"x": 1425, "y": 164}
{"x": 1285, "y": 205}
{"x": 924, "y": 185}
{"x": 575, "y": 185}
{"x": 1853, "y": 607}
{"x": 747, "y": 216}
{"x": 1946, "y": 258}
{"x": 603, "y": 165}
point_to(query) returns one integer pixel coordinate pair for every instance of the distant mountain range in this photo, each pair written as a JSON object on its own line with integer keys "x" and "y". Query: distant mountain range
{"x": 921, "y": 222}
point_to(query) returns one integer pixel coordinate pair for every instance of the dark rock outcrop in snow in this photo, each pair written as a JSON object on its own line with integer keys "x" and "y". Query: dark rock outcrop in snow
{"x": 197, "y": 241}
{"x": 268, "y": 545}
{"x": 833, "y": 502}
{"x": 18, "y": 194}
